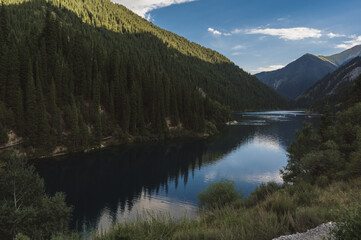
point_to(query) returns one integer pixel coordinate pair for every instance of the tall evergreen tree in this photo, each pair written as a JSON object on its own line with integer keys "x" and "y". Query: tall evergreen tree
{"x": 30, "y": 108}
{"x": 3, "y": 135}
{"x": 41, "y": 117}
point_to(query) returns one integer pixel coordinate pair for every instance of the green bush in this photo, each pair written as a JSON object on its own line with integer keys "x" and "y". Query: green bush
{"x": 303, "y": 192}
{"x": 218, "y": 195}
{"x": 349, "y": 228}
{"x": 306, "y": 219}
{"x": 281, "y": 204}
{"x": 322, "y": 181}
{"x": 211, "y": 128}
{"x": 261, "y": 192}
{"x": 354, "y": 166}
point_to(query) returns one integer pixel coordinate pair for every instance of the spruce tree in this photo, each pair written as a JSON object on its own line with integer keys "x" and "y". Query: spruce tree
{"x": 73, "y": 124}
{"x": 13, "y": 88}
{"x": 3, "y": 135}
{"x": 30, "y": 108}
{"x": 55, "y": 114}
{"x": 97, "y": 135}
{"x": 4, "y": 27}
{"x": 43, "y": 125}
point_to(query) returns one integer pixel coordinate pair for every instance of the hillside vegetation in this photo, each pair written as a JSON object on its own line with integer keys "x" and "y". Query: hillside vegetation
{"x": 322, "y": 182}
{"x": 73, "y": 73}
{"x": 332, "y": 89}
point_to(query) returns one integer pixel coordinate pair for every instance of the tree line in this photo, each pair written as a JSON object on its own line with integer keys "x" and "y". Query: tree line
{"x": 332, "y": 152}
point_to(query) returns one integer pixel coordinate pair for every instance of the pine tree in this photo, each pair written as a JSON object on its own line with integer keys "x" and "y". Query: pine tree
{"x": 30, "y": 108}
{"x": 54, "y": 112}
{"x": 3, "y": 135}
{"x": 83, "y": 132}
{"x": 73, "y": 124}
{"x": 4, "y": 27}
{"x": 125, "y": 111}
{"x": 3, "y": 73}
{"x": 97, "y": 135}
{"x": 43, "y": 125}
{"x": 13, "y": 89}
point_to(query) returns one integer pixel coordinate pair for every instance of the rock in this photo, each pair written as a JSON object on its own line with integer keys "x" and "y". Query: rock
{"x": 319, "y": 233}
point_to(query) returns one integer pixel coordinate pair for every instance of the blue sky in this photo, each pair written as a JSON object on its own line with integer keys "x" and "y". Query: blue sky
{"x": 259, "y": 35}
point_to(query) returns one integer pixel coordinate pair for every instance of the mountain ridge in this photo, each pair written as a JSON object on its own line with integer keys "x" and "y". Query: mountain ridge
{"x": 331, "y": 88}
{"x": 296, "y": 77}
{"x": 292, "y": 80}
{"x": 343, "y": 57}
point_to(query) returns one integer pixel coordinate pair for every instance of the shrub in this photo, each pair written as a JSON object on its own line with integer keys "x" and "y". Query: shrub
{"x": 354, "y": 167}
{"x": 218, "y": 195}
{"x": 322, "y": 181}
{"x": 304, "y": 193}
{"x": 268, "y": 225}
{"x": 261, "y": 192}
{"x": 281, "y": 204}
{"x": 211, "y": 128}
{"x": 349, "y": 228}
{"x": 306, "y": 219}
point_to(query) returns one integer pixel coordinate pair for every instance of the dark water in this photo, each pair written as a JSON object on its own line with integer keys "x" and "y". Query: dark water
{"x": 121, "y": 183}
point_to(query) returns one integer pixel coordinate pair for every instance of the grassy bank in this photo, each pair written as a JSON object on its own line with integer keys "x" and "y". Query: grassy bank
{"x": 270, "y": 211}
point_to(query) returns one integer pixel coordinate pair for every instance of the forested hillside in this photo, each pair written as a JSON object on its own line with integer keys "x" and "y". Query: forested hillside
{"x": 333, "y": 88}
{"x": 75, "y": 72}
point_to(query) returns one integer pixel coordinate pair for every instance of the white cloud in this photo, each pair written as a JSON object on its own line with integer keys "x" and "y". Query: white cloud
{"x": 143, "y": 7}
{"x": 237, "y": 31}
{"x": 356, "y": 40}
{"x": 214, "y": 32}
{"x": 335, "y": 35}
{"x": 267, "y": 68}
{"x": 236, "y": 53}
{"x": 297, "y": 33}
{"x": 238, "y": 47}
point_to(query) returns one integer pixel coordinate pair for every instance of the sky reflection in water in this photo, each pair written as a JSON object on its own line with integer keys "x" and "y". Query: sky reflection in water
{"x": 122, "y": 183}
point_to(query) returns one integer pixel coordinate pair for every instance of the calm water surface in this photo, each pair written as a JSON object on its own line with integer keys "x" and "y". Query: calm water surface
{"x": 122, "y": 183}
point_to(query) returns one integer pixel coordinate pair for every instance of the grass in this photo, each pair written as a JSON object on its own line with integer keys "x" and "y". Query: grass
{"x": 269, "y": 212}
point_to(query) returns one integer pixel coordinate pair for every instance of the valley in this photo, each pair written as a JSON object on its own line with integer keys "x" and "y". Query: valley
{"x": 112, "y": 127}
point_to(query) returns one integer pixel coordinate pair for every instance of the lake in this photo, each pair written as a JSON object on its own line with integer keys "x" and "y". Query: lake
{"x": 122, "y": 183}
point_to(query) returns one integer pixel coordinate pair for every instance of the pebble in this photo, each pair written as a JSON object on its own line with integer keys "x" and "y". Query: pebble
{"x": 319, "y": 233}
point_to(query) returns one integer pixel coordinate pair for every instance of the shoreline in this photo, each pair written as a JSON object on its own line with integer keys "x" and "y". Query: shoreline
{"x": 108, "y": 142}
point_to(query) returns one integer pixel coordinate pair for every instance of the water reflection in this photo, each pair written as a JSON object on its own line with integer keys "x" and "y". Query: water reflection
{"x": 119, "y": 184}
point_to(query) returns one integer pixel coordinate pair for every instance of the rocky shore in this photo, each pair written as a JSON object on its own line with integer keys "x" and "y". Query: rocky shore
{"x": 319, "y": 233}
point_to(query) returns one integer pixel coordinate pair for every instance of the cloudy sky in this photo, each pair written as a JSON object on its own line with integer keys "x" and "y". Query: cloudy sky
{"x": 259, "y": 35}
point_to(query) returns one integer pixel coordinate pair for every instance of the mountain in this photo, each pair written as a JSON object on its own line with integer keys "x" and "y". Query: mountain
{"x": 73, "y": 73}
{"x": 332, "y": 87}
{"x": 297, "y": 76}
{"x": 345, "y": 56}
{"x": 301, "y": 74}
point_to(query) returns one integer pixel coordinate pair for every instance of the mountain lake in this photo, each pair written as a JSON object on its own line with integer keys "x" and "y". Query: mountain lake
{"x": 163, "y": 178}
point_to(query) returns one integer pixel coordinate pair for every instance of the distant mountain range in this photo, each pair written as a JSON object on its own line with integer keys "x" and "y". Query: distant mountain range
{"x": 298, "y": 76}
{"x": 332, "y": 87}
